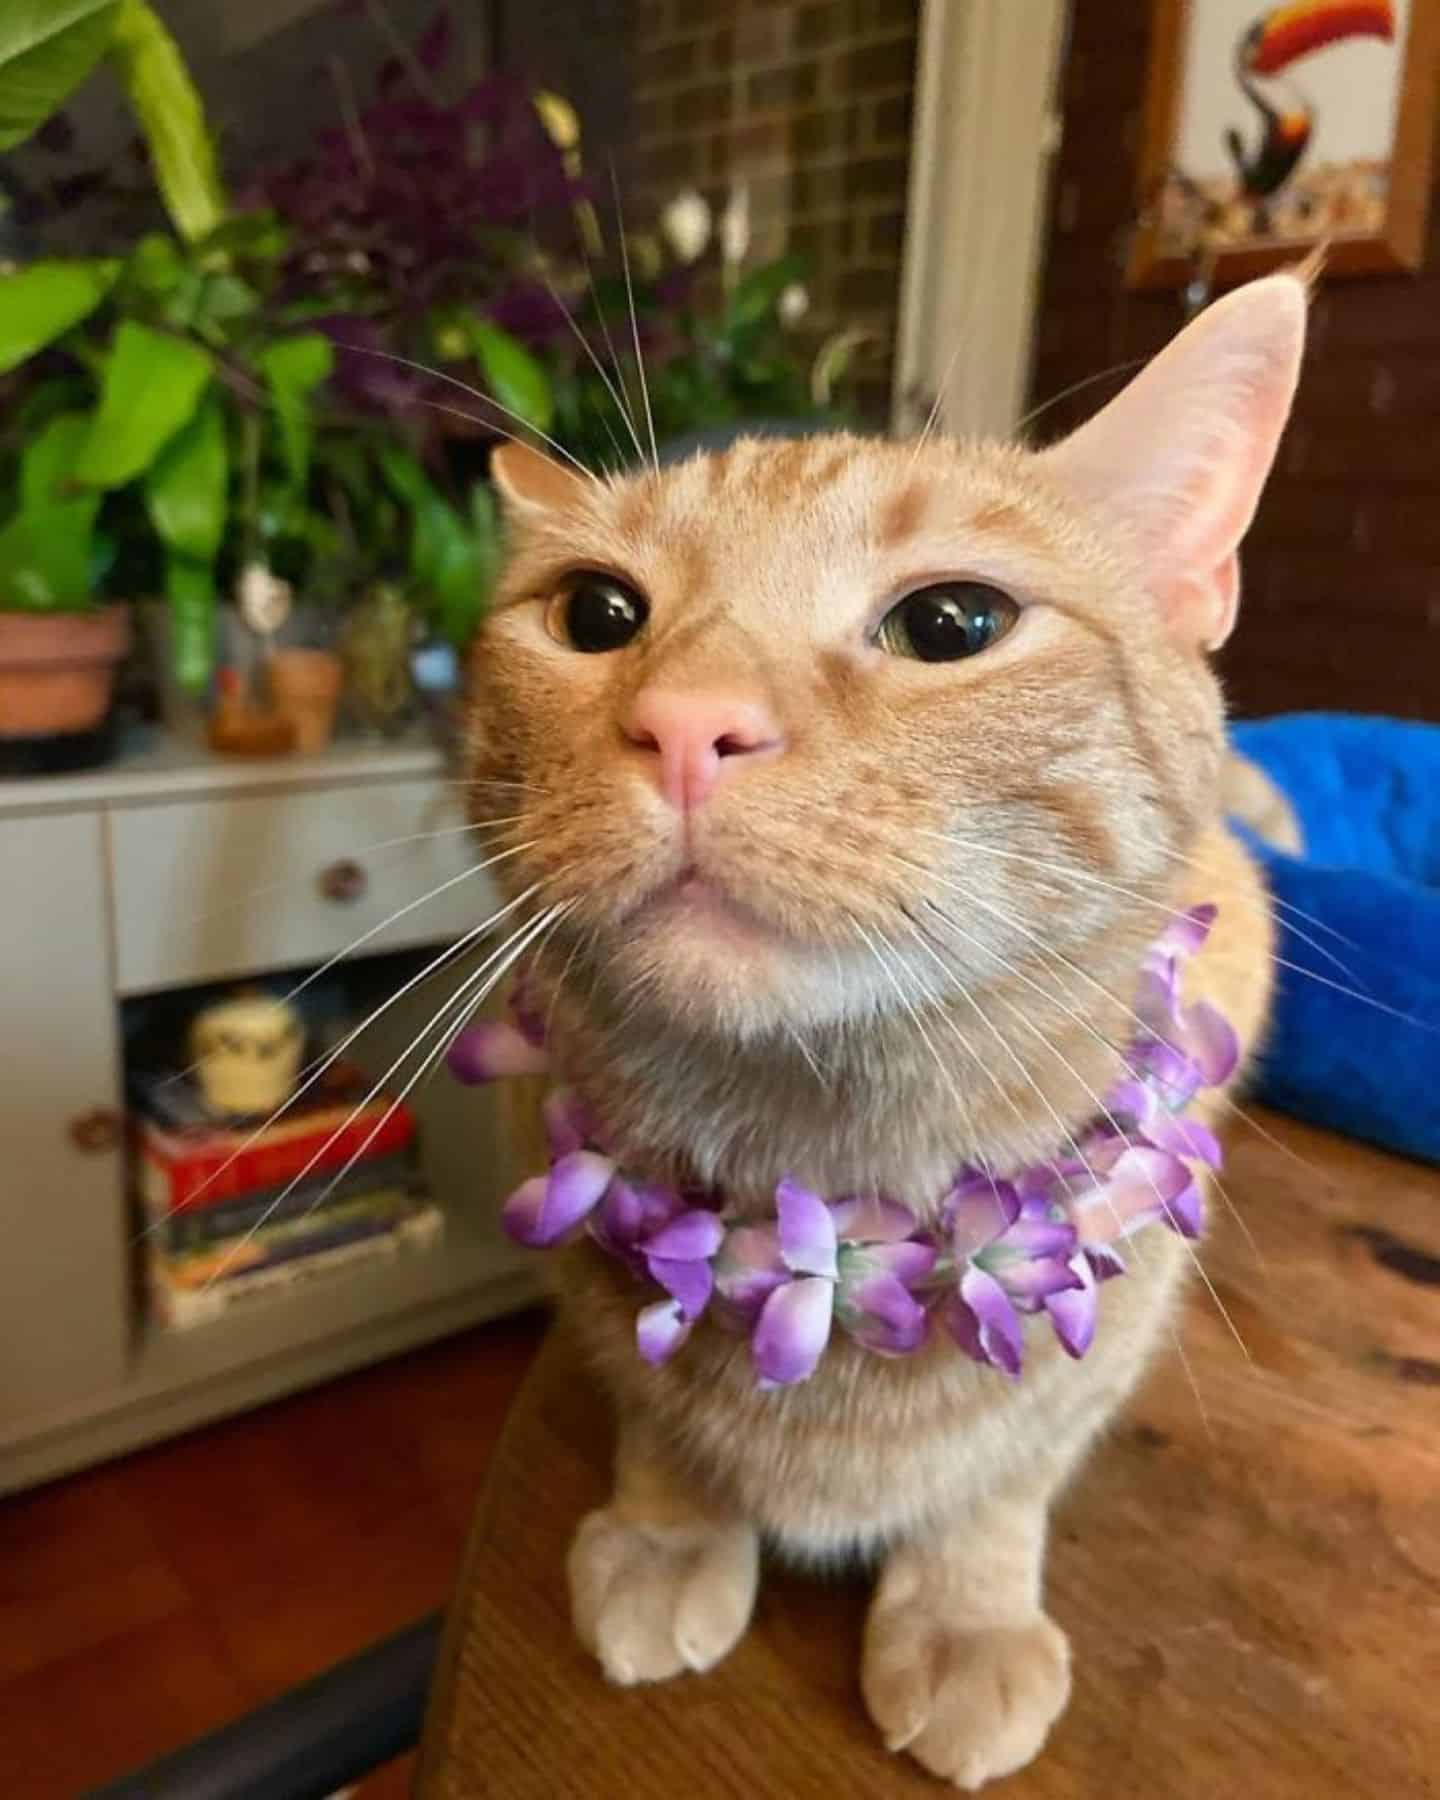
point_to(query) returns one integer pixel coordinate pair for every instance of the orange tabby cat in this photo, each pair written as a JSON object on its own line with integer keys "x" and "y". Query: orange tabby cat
{"x": 860, "y": 886}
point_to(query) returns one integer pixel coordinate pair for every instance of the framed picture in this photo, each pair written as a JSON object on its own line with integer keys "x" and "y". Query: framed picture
{"x": 1271, "y": 130}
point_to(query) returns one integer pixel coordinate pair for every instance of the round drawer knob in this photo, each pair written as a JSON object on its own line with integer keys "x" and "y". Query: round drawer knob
{"x": 97, "y": 1131}
{"x": 344, "y": 882}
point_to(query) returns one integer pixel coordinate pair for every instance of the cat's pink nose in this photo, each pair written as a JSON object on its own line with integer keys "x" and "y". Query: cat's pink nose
{"x": 693, "y": 738}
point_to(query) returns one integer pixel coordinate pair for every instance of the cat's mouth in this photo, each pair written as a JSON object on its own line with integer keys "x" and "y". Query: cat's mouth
{"x": 695, "y": 898}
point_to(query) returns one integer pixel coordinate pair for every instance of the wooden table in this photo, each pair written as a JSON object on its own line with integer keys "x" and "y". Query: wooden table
{"x": 1249, "y": 1567}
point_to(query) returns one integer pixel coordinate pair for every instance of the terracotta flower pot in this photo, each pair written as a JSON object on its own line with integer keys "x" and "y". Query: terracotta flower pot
{"x": 305, "y": 688}
{"x": 57, "y": 670}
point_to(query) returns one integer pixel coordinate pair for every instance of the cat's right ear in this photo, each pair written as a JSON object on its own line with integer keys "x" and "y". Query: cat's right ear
{"x": 1178, "y": 460}
{"x": 530, "y": 484}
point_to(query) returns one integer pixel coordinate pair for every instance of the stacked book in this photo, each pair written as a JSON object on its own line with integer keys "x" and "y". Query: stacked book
{"x": 234, "y": 1210}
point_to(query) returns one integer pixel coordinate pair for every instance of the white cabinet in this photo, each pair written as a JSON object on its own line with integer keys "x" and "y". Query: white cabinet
{"x": 173, "y": 867}
{"x": 63, "y": 1301}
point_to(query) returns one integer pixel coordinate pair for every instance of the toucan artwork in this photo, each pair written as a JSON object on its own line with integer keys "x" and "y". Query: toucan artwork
{"x": 1272, "y": 45}
{"x": 1276, "y": 188}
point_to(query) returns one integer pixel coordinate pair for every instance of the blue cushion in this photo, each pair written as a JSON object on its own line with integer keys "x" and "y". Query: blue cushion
{"x": 1355, "y": 1037}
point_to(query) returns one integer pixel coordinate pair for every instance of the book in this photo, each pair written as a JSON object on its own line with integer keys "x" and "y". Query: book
{"x": 181, "y": 1298}
{"x": 194, "y": 1227}
{"x": 189, "y": 1159}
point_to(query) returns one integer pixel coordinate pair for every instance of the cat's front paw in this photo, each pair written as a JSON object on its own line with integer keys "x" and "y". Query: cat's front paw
{"x": 652, "y": 1601}
{"x": 968, "y": 1704}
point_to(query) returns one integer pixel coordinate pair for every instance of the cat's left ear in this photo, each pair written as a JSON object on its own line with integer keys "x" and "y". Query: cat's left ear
{"x": 1179, "y": 459}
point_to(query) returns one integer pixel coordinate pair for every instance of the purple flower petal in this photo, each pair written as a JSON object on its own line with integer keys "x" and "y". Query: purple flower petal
{"x": 792, "y": 1331}
{"x": 1187, "y": 934}
{"x": 978, "y": 1211}
{"x": 1073, "y": 1310}
{"x": 488, "y": 1052}
{"x": 660, "y": 1330}
{"x": 1212, "y": 1042}
{"x": 1032, "y": 1237}
{"x": 688, "y": 1282}
{"x": 873, "y": 1220}
{"x": 807, "y": 1231}
{"x": 909, "y": 1262}
{"x": 1105, "y": 1261}
{"x": 691, "y": 1235}
{"x": 1157, "y": 994}
{"x": 748, "y": 1268}
{"x": 541, "y": 1211}
{"x": 523, "y": 1213}
{"x": 879, "y": 1312}
{"x": 1185, "y": 1211}
{"x": 1141, "y": 1184}
{"x": 1036, "y": 1277}
{"x": 1184, "y": 1137}
{"x": 1176, "y": 1074}
{"x": 984, "y": 1323}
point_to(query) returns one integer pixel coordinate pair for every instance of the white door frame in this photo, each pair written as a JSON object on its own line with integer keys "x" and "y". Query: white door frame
{"x": 986, "y": 128}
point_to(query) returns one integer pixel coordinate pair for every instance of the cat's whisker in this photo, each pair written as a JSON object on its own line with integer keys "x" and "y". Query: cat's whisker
{"x": 1018, "y": 1014}
{"x": 308, "y": 1080}
{"x": 604, "y": 323}
{"x": 1082, "y": 879}
{"x": 238, "y": 1248}
{"x": 1078, "y": 387}
{"x": 535, "y": 948}
{"x": 291, "y": 882}
{"x": 1170, "y": 1327}
{"x": 599, "y": 368}
{"x": 634, "y": 322}
{"x": 1052, "y": 997}
{"x": 806, "y": 1055}
{"x": 1125, "y": 1006}
{"x": 476, "y": 394}
{"x": 915, "y": 1018}
{"x": 374, "y": 931}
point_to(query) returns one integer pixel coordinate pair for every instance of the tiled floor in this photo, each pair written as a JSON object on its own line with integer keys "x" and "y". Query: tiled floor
{"x": 150, "y": 1600}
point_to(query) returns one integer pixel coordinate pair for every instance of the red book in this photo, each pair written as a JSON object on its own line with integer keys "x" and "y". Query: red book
{"x": 191, "y": 1161}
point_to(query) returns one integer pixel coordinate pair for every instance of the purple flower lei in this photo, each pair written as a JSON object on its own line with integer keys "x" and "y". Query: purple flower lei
{"x": 1039, "y": 1240}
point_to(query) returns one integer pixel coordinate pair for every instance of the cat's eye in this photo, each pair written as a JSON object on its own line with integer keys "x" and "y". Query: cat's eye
{"x": 596, "y": 613}
{"x": 951, "y": 620}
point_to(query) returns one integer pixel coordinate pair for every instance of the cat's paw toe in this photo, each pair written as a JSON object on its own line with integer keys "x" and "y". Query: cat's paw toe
{"x": 970, "y": 1705}
{"x": 651, "y": 1602}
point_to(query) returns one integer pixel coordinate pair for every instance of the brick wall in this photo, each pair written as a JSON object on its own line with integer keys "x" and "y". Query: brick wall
{"x": 809, "y": 104}
{"x": 1342, "y": 569}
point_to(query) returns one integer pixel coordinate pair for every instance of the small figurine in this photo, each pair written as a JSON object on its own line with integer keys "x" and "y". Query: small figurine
{"x": 246, "y": 1052}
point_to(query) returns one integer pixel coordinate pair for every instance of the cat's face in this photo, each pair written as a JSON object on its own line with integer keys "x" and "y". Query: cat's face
{"x": 807, "y": 729}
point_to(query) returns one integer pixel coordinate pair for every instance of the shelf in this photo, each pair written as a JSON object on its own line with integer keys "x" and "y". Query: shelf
{"x": 154, "y": 766}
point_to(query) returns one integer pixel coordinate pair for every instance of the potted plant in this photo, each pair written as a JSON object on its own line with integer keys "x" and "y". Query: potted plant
{"x": 164, "y": 406}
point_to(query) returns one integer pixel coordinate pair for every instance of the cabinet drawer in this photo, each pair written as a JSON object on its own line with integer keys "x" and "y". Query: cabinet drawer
{"x": 213, "y": 888}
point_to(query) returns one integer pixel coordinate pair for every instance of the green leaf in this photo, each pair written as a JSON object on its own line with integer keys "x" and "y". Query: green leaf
{"x": 154, "y": 267}
{"x": 47, "y": 48}
{"x": 248, "y": 237}
{"x": 755, "y": 297}
{"x": 46, "y": 547}
{"x": 190, "y": 589}
{"x": 294, "y": 368}
{"x": 186, "y": 488}
{"x": 172, "y": 117}
{"x": 152, "y": 384}
{"x": 444, "y": 565}
{"x": 220, "y": 302}
{"x": 41, "y": 303}
{"x": 516, "y": 379}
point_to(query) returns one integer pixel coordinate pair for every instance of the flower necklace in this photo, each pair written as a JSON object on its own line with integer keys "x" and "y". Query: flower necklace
{"x": 1038, "y": 1240}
